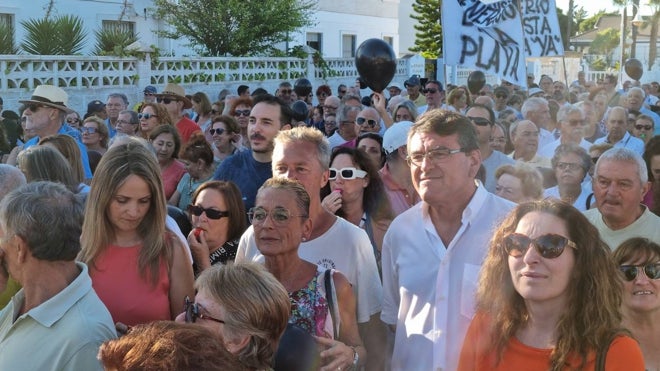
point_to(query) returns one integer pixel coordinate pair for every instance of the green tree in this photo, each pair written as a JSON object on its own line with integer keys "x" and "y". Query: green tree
{"x": 589, "y": 23}
{"x": 113, "y": 41}
{"x": 63, "y": 35}
{"x": 234, "y": 27}
{"x": 7, "y": 45}
{"x": 605, "y": 42}
{"x": 428, "y": 38}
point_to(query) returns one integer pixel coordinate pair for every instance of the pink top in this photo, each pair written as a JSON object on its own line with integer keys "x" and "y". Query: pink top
{"x": 186, "y": 128}
{"x": 130, "y": 298}
{"x": 400, "y": 199}
{"x": 171, "y": 176}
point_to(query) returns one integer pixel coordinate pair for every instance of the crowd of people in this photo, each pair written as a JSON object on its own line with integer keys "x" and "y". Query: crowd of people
{"x": 425, "y": 227}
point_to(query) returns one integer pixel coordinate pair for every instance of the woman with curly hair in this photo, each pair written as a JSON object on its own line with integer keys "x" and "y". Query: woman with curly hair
{"x": 548, "y": 297}
{"x": 152, "y": 115}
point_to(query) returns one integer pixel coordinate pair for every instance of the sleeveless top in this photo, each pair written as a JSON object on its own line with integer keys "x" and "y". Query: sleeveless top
{"x": 309, "y": 307}
{"x": 130, "y": 299}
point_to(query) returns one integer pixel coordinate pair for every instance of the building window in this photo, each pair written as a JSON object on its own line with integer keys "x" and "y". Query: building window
{"x": 315, "y": 40}
{"x": 389, "y": 40}
{"x": 7, "y": 20}
{"x": 348, "y": 46}
{"x": 121, "y": 25}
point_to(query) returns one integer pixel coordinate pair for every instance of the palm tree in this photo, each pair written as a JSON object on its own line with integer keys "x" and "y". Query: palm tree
{"x": 63, "y": 35}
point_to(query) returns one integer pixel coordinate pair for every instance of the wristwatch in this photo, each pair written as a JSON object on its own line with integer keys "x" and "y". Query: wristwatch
{"x": 356, "y": 357}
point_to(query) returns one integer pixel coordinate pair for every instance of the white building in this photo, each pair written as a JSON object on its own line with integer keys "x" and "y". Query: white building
{"x": 340, "y": 25}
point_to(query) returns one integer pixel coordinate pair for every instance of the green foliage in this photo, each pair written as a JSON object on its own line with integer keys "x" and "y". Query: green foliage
{"x": 605, "y": 41}
{"x": 234, "y": 27}
{"x": 599, "y": 64}
{"x": 63, "y": 35}
{"x": 589, "y": 23}
{"x": 113, "y": 41}
{"x": 428, "y": 38}
{"x": 7, "y": 45}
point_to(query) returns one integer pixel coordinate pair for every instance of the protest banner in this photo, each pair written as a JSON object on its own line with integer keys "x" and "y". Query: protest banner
{"x": 541, "y": 28}
{"x": 483, "y": 36}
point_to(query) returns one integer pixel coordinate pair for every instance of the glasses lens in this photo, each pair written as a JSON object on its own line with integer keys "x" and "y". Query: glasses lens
{"x": 480, "y": 121}
{"x": 189, "y": 309}
{"x": 195, "y": 210}
{"x": 245, "y": 113}
{"x": 629, "y": 272}
{"x": 217, "y": 131}
{"x": 72, "y": 121}
{"x": 280, "y": 214}
{"x": 652, "y": 271}
{"x": 257, "y": 215}
{"x": 33, "y": 107}
{"x": 431, "y": 91}
{"x": 362, "y": 120}
{"x": 550, "y": 246}
{"x": 88, "y": 130}
{"x": 516, "y": 245}
{"x": 642, "y": 127}
{"x": 347, "y": 174}
{"x": 333, "y": 174}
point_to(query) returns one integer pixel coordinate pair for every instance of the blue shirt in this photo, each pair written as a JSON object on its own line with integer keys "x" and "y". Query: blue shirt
{"x": 68, "y": 130}
{"x": 111, "y": 130}
{"x": 246, "y": 172}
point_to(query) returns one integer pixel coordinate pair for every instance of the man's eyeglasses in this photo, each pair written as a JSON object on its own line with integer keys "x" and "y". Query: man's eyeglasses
{"x": 218, "y": 131}
{"x": 245, "y": 112}
{"x": 193, "y": 313}
{"x": 480, "y": 121}
{"x": 285, "y": 91}
{"x": 347, "y": 173}
{"x": 500, "y": 96}
{"x": 370, "y": 122}
{"x": 166, "y": 100}
{"x": 430, "y": 91}
{"x": 435, "y": 155}
{"x": 88, "y": 130}
{"x": 123, "y": 122}
{"x": 630, "y": 272}
{"x": 34, "y": 107}
{"x": 549, "y": 246}
{"x": 279, "y": 215}
{"x": 644, "y": 127}
{"x": 210, "y": 213}
{"x": 146, "y": 116}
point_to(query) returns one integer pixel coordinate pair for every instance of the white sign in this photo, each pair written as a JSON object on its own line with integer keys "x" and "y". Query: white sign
{"x": 541, "y": 28}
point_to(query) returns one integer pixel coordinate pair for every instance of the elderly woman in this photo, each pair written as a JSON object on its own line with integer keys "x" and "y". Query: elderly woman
{"x": 571, "y": 165}
{"x": 246, "y": 306}
{"x": 405, "y": 111}
{"x": 457, "y": 100}
{"x": 543, "y": 261}
{"x": 218, "y": 215}
{"x": 519, "y": 183}
{"x": 95, "y": 134}
{"x": 323, "y": 302}
{"x": 639, "y": 262}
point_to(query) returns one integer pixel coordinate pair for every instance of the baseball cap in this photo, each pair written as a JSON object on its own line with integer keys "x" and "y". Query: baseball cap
{"x": 396, "y": 136}
{"x": 95, "y": 106}
{"x": 412, "y": 81}
{"x": 150, "y": 89}
{"x": 534, "y": 91}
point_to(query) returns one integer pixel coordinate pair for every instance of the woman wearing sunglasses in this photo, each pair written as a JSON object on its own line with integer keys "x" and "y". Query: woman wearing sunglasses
{"x": 358, "y": 195}
{"x": 95, "y": 134}
{"x": 152, "y": 115}
{"x": 639, "y": 262}
{"x": 141, "y": 272}
{"x": 240, "y": 110}
{"x": 548, "y": 297}
{"x": 218, "y": 215}
{"x": 324, "y": 307}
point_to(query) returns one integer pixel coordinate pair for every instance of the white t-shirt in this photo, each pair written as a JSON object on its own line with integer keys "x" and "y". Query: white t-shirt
{"x": 428, "y": 289}
{"x": 344, "y": 247}
{"x": 647, "y": 226}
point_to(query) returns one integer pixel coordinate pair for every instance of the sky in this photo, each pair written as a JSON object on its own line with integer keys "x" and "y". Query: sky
{"x": 591, "y": 6}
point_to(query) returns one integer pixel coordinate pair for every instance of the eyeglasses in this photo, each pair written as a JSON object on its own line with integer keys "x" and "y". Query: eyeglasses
{"x": 218, "y": 131}
{"x": 594, "y": 159}
{"x": 245, "y": 112}
{"x": 576, "y": 122}
{"x": 72, "y": 121}
{"x": 370, "y": 122}
{"x": 166, "y": 100}
{"x": 123, "y": 122}
{"x": 480, "y": 121}
{"x": 429, "y": 91}
{"x": 285, "y": 91}
{"x": 192, "y": 312}
{"x": 342, "y": 92}
{"x": 34, "y": 107}
{"x": 500, "y": 96}
{"x": 568, "y": 166}
{"x": 322, "y": 95}
{"x": 549, "y": 246}
{"x": 215, "y": 112}
{"x": 643, "y": 127}
{"x": 347, "y": 173}
{"x": 630, "y": 272}
{"x": 435, "y": 155}
{"x": 210, "y": 213}
{"x": 146, "y": 116}
{"x": 149, "y": 94}
{"x": 279, "y": 215}
{"x": 88, "y": 130}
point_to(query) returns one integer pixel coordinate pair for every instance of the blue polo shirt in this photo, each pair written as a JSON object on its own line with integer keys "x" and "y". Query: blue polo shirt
{"x": 68, "y": 130}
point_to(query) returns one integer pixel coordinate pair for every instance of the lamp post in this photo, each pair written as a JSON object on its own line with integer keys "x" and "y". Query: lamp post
{"x": 636, "y": 22}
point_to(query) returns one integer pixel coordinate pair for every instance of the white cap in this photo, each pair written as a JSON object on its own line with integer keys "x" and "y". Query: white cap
{"x": 396, "y": 136}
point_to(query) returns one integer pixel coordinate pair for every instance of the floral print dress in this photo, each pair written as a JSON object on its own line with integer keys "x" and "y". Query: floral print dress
{"x": 309, "y": 307}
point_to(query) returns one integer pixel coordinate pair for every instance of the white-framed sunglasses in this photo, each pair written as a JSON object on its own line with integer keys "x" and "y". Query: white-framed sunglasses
{"x": 347, "y": 173}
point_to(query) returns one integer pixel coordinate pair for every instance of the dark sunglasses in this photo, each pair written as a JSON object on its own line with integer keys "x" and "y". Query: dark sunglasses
{"x": 146, "y": 116}
{"x": 215, "y": 112}
{"x": 86, "y": 130}
{"x": 72, "y": 121}
{"x": 371, "y": 123}
{"x": 342, "y": 92}
{"x": 322, "y": 95}
{"x": 430, "y": 90}
{"x": 548, "y": 246}
{"x": 630, "y": 272}
{"x": 285, "y": 91}
{"x": 192, "y": 312}
{"x": 244, "y": 112}
{"x": 643, "y": 127}
{"x": 34, "y": 107}
{"x": 480, "y": 121}
{"x": 347, "y": 173}
{"x": 210, "y": 213}
{"x": 500, "y": 96}
{"x": 218, "y": 131}
{"x": 166, "y": 100}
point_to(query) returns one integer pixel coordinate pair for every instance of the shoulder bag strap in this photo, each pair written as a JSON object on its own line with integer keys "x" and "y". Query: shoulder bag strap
{"x": 331, "y": 303}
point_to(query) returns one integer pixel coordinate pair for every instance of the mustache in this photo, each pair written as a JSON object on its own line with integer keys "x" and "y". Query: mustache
{"x": 257, "y": 136}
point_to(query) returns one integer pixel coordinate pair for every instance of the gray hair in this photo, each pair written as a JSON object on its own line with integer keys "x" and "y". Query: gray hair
{"x": 10, "y": 178}
{"x": 609, "y": 111}
{"x": 568, "y": 148}
{"x": 410, "y": 106}
{"x": 532, "y": 104}
{"x": 566, "y": 110}
{"x": 514, "y": 126}
{"x": 119, "y": 95}
{"x": 345, "y": 110}
{"x": 134, "y": 116}
{"x": 47, "y": 216}
{"x": 624, "y": 155}
{"x": 637, "y": 89}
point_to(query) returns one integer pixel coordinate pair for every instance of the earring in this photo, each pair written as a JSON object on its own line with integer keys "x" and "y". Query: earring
{"x": 304, "y": 239}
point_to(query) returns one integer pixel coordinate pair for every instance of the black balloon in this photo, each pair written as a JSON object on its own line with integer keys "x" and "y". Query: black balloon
{"x": 634, "y": 68}
{"x": 476, "y": 81}
{"x": 302, "y": 87}
{"x": 376, "y": 63}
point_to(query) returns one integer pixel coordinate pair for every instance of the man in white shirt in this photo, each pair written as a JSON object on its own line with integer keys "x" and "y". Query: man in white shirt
{"x": 525, "y": 139}
{"x": 536, "y": 110}
{"x": 572, "y": 126}
{"x": 432, "y": 252}
{"x": 616, "y": 122}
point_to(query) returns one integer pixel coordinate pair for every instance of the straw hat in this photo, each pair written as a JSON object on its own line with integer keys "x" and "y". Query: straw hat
{"x": 51, "y": 96}
{"x": 174, "y": 90}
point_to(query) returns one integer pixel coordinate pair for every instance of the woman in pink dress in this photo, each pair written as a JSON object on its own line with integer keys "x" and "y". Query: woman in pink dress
{"x": 166, "y": 142}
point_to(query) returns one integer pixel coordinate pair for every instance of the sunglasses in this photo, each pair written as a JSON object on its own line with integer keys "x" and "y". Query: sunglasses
{"x": 322, "y": 95}
{"x": 630, "y": 272}
{"x": 166, "y": 100}
{"x": 245, "y": 112}
{"x": 215, "y": 112}
{"x": 370, "y": 122}
{"x": 146, "y": 116}
{"x": 72, "y": 121}
{"x": 643, "y": 127}
{"x": 87, "y": 130}
{"x": 342, "y": 92}
{"x": 149, "y": 94}
{"x": 210, "y": 213}
{"x": 480, "y": 121}
{"x": 218, "y": 131}
{"x": 347, "y": 173}
{"x": 192, "y": 312}
{"x": 279, "y": 215}
{"x": 285, "y": 91}
{"x": 429, "y": 90}
{"x": 549, "y": 246}
{"x": 34, "y": 107}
